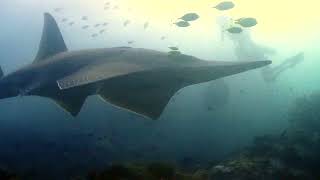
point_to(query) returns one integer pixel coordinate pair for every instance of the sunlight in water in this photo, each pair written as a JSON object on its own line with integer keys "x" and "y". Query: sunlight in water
{"x": 277, "y": 19}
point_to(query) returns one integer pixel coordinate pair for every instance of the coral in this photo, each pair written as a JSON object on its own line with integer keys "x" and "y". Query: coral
{"x": 252, "y": 168}
{"x": 201, "y": 175}
{"x": 152, "y": 171}
{"x": 116, "y": 172}
{"x": 305, "y": 115}
{"x": 161, "y": 170}
{"x": 294, "y": 154}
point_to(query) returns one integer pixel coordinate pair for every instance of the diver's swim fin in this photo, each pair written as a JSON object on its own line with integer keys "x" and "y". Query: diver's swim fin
{"x": 271, "y": 74}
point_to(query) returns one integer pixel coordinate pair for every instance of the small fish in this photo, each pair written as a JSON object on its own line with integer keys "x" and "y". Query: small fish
{"x": 291, "y": 89}
{"x": 96, "y": 25}
{"x": 284, "y": 133}
{"x": 234, "y": 30}
{"x": 90, "y": 134}
{"x": 106, "y": 8}
{"x": 102, "y": 31}
{"x": 84, "y": 18}
{"x": 242, "y": 91}
{"x": 105, "y": 24}
{"x": 71, "y": 23}
{"x": 85, "y": 27}
{"x": 138, "y": 154}
{"x": 146, "y": 25}
{"x": 94, "y": 35}
{"x": 182, "y": 24}
{"x": 153, "y": 148}
{"x": 116, "y": 7}
{"x": 107, "y": 4}
{"x": 174, "y": 53}
{"x": 188, "y": 162}
{"x": 64, "y": 20}
{"x": 223, "y": 6}
{"x": 163, "y": 37}
{"x": 130, "y": 42}
{"x": 246, "y": 22}
{"x": 126, "y": 23}
{"x": 58, "y": 9}
{"x": 190, "y": 17}
{"x": 173, "y": 48}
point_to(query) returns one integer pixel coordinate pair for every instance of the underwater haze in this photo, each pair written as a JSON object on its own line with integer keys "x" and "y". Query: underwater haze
{"x": 217, "y": 128}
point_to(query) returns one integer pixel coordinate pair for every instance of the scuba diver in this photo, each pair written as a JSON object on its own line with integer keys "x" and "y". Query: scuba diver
{"x": 247, "y": 50}
{"x": 217, "y": 93}
{"x": 271, "y": 74}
